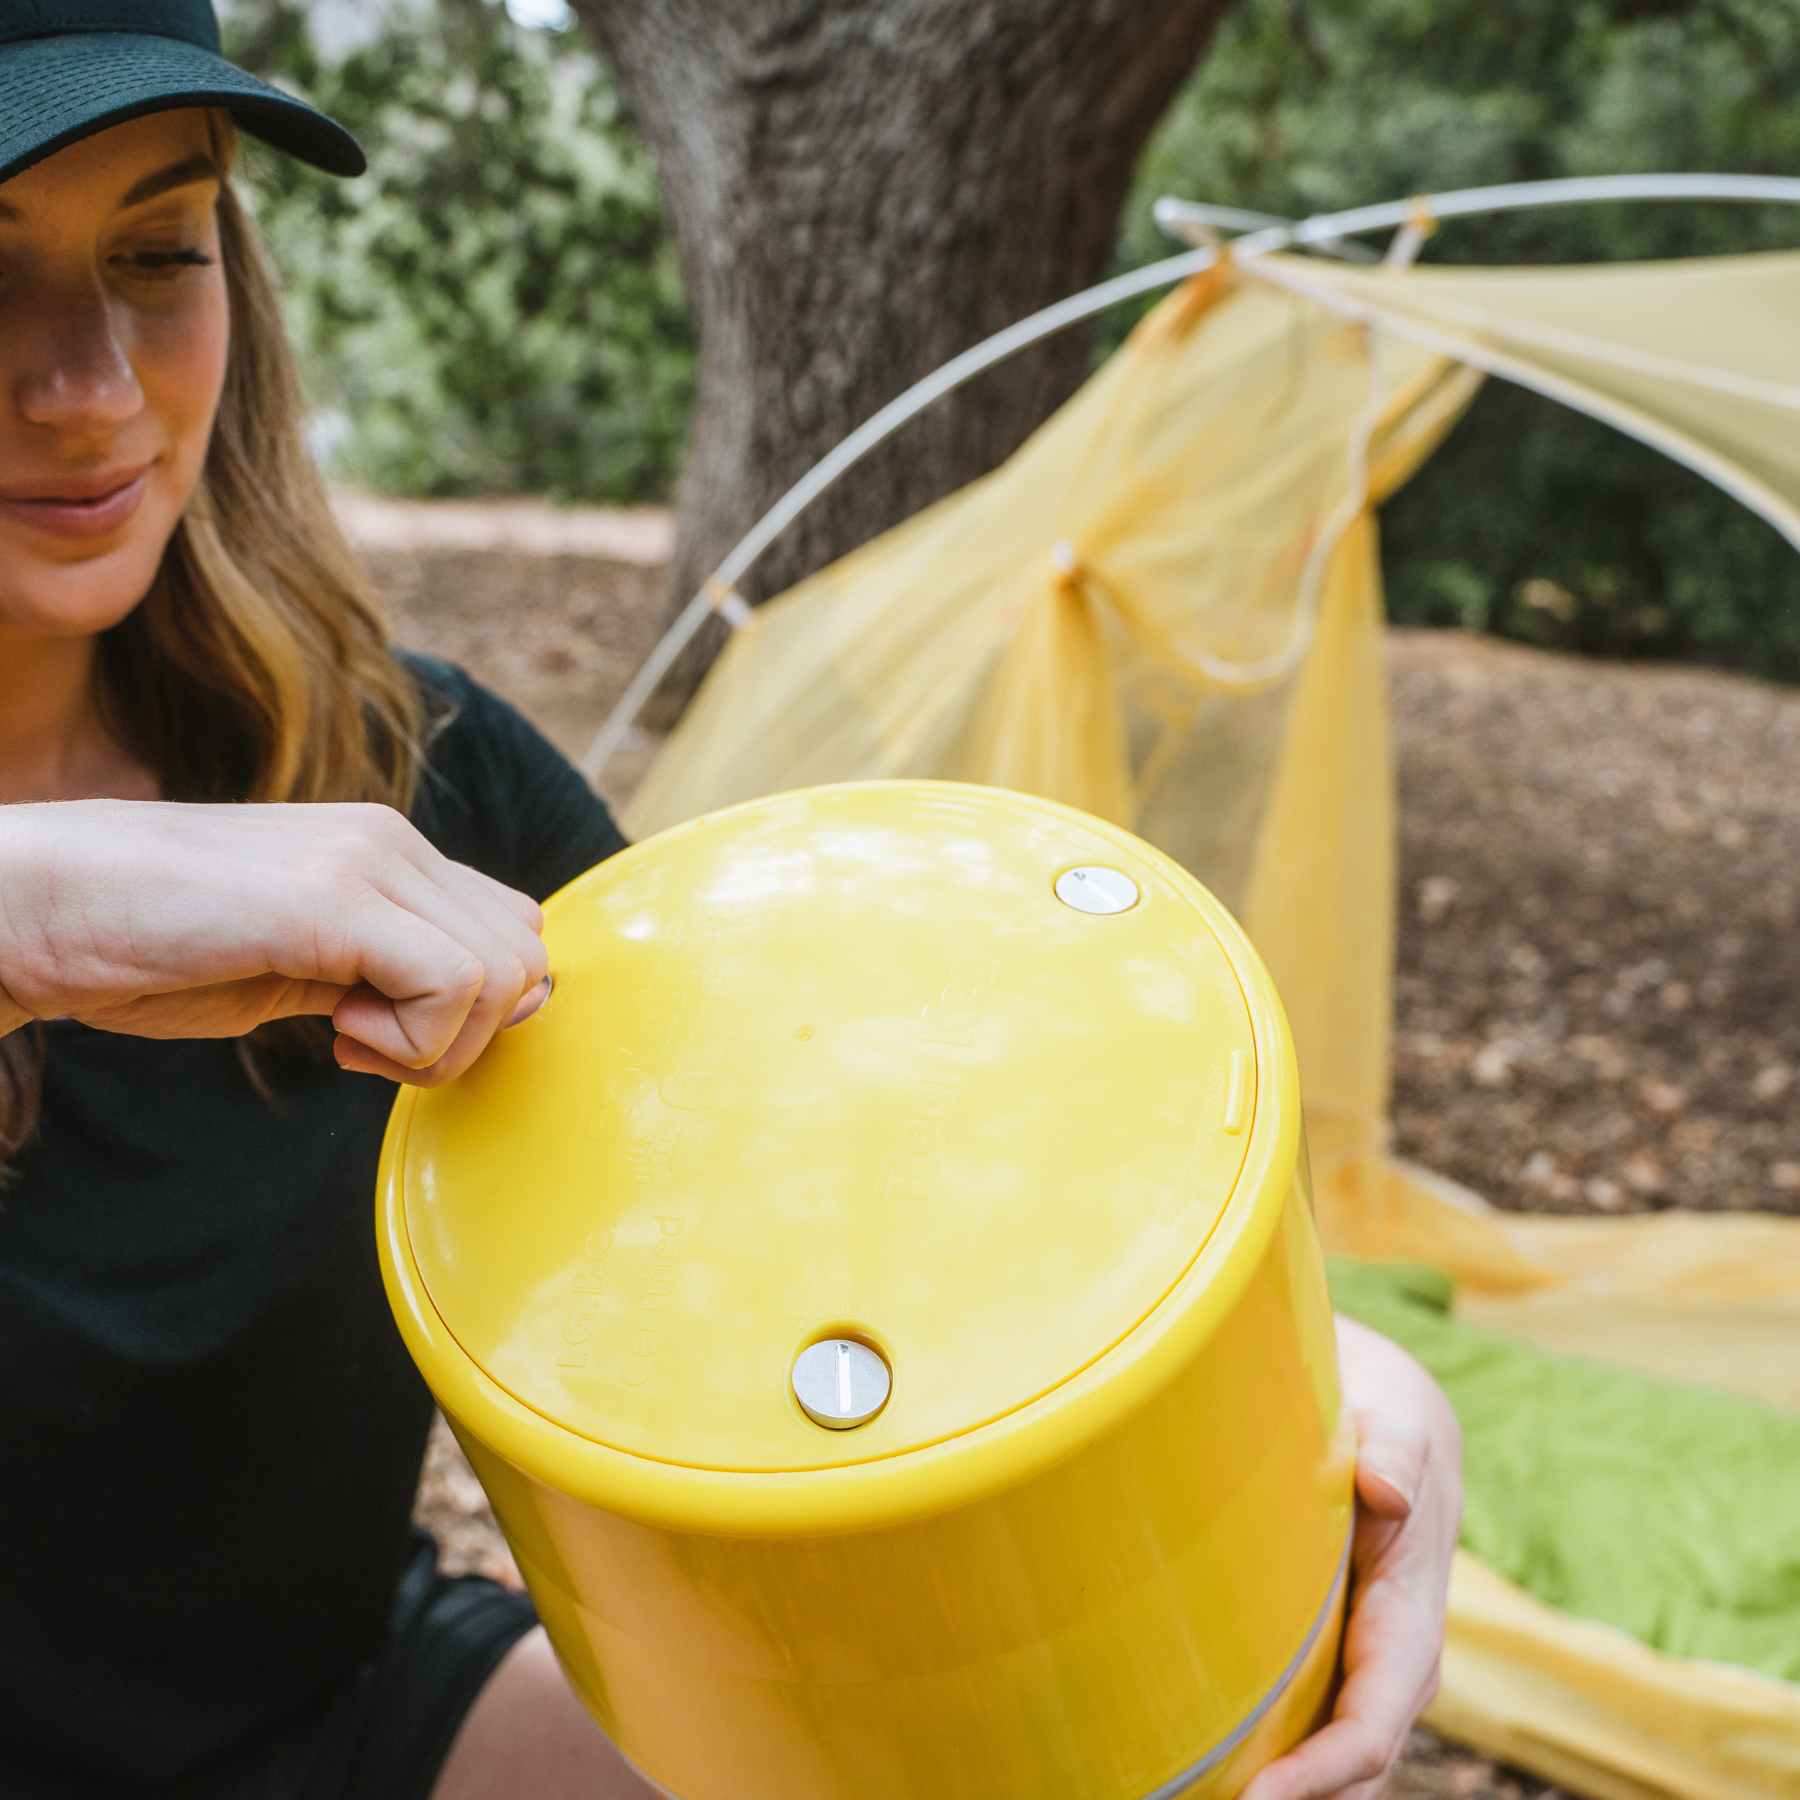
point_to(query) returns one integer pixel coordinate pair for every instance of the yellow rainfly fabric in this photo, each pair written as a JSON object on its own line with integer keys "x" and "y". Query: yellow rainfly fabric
{"x": 1166, "y": 609}
{"x": 1700, "y": 354}
{"x": 1590, "y": 1708}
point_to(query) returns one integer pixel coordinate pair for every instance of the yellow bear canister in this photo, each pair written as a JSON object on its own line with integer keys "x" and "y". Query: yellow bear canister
{"x": 878, "y": 1291}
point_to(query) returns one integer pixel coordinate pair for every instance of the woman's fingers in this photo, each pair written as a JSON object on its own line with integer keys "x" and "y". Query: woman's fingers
{"x": 1409, "y": 1500}
{"x": 1402, "y": 1422}
{"x": 1391, "y": 1650}
{"x": 513, "y": 920}
{"x": 478, "y": 1031}
{"x": 1390, "y": 1465}
{"x": 360, "y": 1060}
{"x": 167, "y": 919}
{"x": 441, "y": 957}
{"x": 1392, "y": 1637}
{"x": 529, "y": 1002}
{"x": 521, "y": 906}
{"x": 1348, "y": 1760}
{"x": 433, "y": 1036}
{"x": 416, "y": 984}
{"x": 482, "y": 914}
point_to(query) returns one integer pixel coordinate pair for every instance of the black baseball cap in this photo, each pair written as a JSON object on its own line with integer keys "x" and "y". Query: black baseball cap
{"x": 72, "y": 67}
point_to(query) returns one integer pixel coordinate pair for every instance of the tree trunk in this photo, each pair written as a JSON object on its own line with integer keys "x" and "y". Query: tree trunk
{"x": 861, "y": 189}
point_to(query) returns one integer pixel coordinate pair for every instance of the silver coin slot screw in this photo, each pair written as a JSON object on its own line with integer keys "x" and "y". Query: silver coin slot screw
{"x": 841, "y": 1383}
{"x": 1094, "y": 888}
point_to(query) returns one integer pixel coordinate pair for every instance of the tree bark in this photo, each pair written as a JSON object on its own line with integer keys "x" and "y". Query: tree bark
{"x": 860, "y": 190}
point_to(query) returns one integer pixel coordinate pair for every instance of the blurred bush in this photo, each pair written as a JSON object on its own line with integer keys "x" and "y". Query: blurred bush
{"x": 1531, "y": 521}
{"x": 495, "y": 306}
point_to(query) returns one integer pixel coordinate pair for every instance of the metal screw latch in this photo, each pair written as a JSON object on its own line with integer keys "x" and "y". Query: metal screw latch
{"x": 840, "y": 1383}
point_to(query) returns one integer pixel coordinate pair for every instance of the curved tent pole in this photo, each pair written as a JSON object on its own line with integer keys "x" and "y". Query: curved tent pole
{"x": 1195, "y": 219}
{"x": 1512, "y": 196}
{"x": 1322, "y": 229}
{"x": 853, "y": 449}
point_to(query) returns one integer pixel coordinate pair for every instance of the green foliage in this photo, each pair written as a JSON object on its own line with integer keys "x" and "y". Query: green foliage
{"x": 495, "y": 306}
{"x": 1531, "y": 521}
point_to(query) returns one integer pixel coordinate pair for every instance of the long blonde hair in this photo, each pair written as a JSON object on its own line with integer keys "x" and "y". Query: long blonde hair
{"x": 259, "y": 665}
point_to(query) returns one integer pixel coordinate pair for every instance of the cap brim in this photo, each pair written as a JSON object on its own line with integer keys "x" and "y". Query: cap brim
{"x": 56, "y": 90}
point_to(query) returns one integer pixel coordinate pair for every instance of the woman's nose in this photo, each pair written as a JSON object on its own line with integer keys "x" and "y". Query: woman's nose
{"x": 76, "y": 371}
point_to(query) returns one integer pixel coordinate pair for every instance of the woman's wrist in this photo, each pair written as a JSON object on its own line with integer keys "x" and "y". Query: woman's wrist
{"x": 15, "y": 864}
{"x": 12, "y": 1015}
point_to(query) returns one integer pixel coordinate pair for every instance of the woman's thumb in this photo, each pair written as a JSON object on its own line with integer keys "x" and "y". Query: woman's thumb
{"x": 1390, "y": 1468}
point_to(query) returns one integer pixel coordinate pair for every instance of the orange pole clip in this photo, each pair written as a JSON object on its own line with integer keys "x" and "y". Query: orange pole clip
{"x": 1192, "y": 301}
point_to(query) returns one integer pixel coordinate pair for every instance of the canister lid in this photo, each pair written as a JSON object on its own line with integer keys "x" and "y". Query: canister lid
{"x": 954, "y": 1074}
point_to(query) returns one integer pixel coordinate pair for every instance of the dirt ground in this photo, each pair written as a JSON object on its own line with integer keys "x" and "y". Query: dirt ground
{"x": 1599, "y": 983}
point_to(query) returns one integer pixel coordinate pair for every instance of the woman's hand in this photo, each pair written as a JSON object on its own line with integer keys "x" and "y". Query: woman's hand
{"x": 1409, "y": 1504}
{"x": 167, "y": 920}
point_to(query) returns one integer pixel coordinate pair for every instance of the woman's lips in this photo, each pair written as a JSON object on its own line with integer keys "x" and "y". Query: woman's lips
{"x": 80, "y": 518}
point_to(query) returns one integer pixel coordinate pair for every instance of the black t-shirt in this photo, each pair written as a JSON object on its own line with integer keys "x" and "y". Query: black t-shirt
{"x": 212, "y": 1433}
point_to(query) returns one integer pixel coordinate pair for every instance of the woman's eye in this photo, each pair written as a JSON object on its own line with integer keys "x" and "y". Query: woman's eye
{"x": 167, "y": 262}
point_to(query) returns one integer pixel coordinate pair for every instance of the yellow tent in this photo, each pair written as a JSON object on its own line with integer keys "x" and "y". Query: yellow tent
{"x": 1166, "y": 609}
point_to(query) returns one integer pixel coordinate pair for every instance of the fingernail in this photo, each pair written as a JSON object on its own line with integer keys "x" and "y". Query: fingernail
{"x": 1402, "y": 1496}
{"x": 529, "y": 1003}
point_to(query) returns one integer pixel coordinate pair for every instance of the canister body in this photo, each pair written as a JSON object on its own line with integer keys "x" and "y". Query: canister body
{"x": 1158, "y": 1614}
{"x": 1130, "y": 1584}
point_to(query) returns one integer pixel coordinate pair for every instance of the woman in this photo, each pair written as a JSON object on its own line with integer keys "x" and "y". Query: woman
{"x": 236, "y": 820}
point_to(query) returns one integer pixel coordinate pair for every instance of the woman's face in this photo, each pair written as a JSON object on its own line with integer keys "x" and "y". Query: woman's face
{"x": 113, "y": 332}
